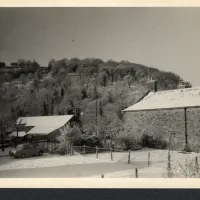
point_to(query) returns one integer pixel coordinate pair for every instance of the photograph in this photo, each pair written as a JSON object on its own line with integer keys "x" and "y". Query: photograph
{"x": 100, "y": 92}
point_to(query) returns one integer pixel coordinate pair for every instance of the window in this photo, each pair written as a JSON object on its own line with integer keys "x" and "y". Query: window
{"x": 19, "y": 147}
{"x": 27, "y": 146}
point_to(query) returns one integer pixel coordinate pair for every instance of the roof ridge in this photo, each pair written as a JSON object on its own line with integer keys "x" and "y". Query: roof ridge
{"x": 46, "y": 116}
{"x": 168, "y": 99}
{"x": 172, "y": 90}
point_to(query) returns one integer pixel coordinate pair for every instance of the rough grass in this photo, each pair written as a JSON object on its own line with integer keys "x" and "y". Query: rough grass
{"x": 188, "y": 169}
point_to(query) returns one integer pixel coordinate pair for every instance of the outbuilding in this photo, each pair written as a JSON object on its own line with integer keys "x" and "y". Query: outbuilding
{"x": 41, "y": 127}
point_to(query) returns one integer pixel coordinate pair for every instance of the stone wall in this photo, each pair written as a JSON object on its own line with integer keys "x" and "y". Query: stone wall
{"x": 163, "y": 122}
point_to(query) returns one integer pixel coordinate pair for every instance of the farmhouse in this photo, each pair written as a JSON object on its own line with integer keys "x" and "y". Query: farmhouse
{"x": 47, "y": 127}
{"x": 161, "y": 113}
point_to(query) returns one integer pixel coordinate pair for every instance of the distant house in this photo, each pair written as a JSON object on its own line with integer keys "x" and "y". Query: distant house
{"x": 161, "y": 113}
{"x": 42, "y": 127}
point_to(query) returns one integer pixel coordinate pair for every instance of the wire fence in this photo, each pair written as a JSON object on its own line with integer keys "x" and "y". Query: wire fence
{"x": 112, "y": 154}
{"x": 145, "y": 158}
{"x": 151, "y": 159}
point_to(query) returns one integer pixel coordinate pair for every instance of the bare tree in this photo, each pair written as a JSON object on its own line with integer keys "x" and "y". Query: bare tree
{"x": 129, "y": 80}
{"x": 67, "y": 138}
{"x": 23, "y": 80}
{"x": 2, "y": 129}
{"x": 18, "y": 125}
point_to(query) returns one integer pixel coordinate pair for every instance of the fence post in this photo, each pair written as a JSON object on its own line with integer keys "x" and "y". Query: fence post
{"x": 96, "y": 152}
{"x": 84, "y": 150}
{"x": 129, "y": 156}
{"x": 169, "y": 161}
{"x": 169, "y": 165}
{"x": 149, "y": 154}
{"x": 111, "y": 155}
{"x": 196, "y": 164}
{"x": 72, "y": 150}
{"x": 136, "y": 173}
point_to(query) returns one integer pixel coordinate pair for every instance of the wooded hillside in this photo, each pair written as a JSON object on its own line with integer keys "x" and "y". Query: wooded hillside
{"x": 93, "y": 90}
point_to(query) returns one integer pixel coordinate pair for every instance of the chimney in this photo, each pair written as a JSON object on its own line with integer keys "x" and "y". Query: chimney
{"x": 152, "y": 85}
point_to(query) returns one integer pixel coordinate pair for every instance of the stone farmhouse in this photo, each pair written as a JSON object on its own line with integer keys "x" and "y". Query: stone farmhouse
{"x": 161, "y": 113}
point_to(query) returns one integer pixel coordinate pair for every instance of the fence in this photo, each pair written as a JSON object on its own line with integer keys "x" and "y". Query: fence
{"x": 148, "y": 157}
{"x": 88, "y": 150}
{"x": 150, "y": 160}
{"x": 49, "y": 146}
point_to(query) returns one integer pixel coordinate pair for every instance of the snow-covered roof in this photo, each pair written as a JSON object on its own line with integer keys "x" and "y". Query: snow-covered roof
{"x": 44, "y": 125}
{"x": 169, "y": 99}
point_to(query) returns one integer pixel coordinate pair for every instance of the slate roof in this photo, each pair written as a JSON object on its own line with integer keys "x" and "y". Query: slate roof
{"x": 44, "y": 125}
{"x": 170, "y": 99}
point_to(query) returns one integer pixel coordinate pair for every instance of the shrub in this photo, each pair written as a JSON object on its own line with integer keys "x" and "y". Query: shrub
{"x": 128, "y": 141}
{"x": 88, "y": 140}
{"x": 156, "y": 142}
{"x": 189, "y": 169}
{"x": 67, "y": 139}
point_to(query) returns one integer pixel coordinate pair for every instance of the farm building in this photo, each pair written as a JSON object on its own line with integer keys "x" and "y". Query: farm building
{"x": 42, "y": 127}
{"x": 161, "y": 113}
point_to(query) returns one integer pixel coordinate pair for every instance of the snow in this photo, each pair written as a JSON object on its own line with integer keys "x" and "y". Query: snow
{"x": 171, "y": 99}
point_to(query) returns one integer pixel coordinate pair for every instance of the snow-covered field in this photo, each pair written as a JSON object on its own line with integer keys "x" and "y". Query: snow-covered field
{"x": 138, "y": 159}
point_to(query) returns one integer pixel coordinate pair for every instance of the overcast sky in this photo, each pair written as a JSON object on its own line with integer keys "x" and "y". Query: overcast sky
{"x": 165, "y": 38}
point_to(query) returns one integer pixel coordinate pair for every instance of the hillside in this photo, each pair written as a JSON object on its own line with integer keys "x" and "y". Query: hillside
{"x": 94, "y": 90}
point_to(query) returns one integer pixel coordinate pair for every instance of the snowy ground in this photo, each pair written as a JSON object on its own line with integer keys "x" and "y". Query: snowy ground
{"x": 139, "y": 160}
{"x": 46, "y": 161}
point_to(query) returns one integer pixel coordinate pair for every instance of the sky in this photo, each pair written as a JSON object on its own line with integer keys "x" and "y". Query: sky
{"x": 164, "y": 38}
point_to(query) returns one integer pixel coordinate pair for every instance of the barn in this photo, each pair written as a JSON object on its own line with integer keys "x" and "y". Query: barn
{"x": 41, "y": 127}
{"x": 164, "y": 113}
